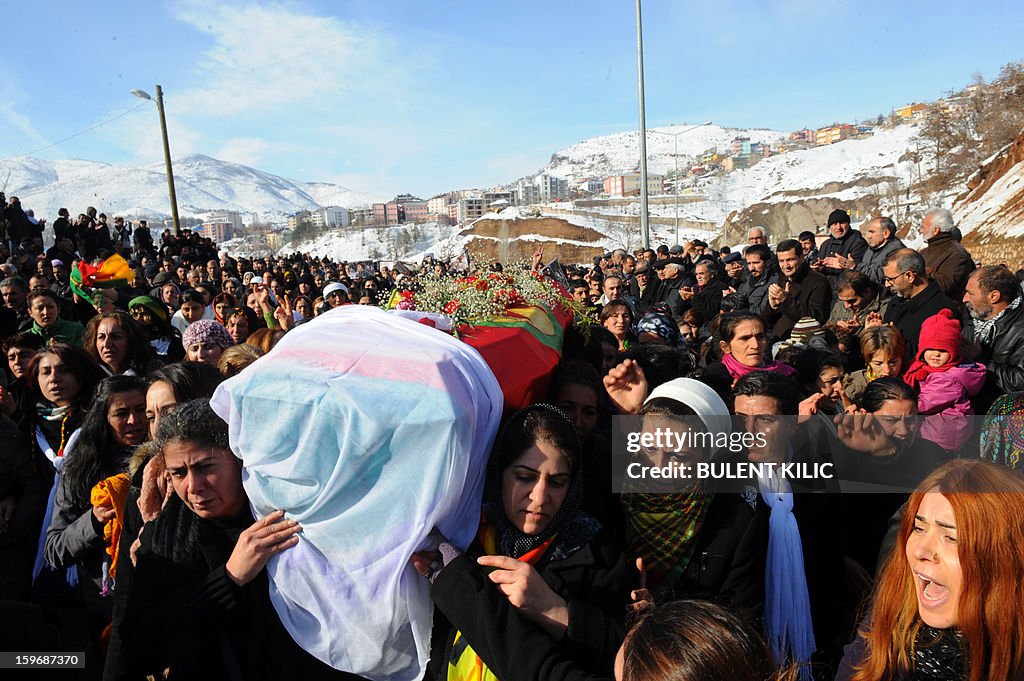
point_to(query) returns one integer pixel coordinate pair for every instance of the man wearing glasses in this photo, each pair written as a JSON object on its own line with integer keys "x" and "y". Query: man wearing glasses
{"x": 917, "y": 297}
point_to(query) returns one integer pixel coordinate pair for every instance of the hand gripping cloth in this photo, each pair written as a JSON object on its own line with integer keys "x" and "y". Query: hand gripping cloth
{"x": 368, "y": 429}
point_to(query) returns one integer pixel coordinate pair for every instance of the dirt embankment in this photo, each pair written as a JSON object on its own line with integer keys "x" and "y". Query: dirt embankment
{"x": 501, "y": 240}
{"x": 987, "y": 241}
{"x": 785, "y": 220}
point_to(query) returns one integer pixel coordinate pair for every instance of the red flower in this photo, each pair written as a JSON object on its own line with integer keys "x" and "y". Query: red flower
{"x": 451, "y": 306}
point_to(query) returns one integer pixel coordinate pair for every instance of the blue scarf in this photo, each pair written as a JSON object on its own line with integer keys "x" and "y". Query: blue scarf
{"x": 787, "y": 609}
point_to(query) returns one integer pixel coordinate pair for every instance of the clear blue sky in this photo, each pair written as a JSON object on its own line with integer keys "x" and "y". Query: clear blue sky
{"x": 427, "y": 96}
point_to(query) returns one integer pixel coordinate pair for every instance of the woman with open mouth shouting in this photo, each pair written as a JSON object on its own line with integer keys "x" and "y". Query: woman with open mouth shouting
{"x": 948, "y": 604}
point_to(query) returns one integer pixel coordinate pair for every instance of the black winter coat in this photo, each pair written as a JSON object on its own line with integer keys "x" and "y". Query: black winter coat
{"x": 26, "y": 478}
{"x": 852, "y": 245}
{"x": 1004, "y": 355}
{"x": 810, "y": 295}
{"x": 186, "y": 614}
{"x": 514, "y": 649}
{"x": 595, "y": 582}
{"x": 908, "y": 314}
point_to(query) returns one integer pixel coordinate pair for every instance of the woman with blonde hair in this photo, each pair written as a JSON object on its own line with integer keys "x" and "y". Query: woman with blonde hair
{"x": 948, "y": 602}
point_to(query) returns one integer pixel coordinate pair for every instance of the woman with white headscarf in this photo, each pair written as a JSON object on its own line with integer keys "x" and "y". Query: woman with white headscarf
{"x": 693, "y": 541}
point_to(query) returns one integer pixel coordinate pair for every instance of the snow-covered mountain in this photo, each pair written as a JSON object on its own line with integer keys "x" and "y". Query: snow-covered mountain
{"x": 202, "y": 184}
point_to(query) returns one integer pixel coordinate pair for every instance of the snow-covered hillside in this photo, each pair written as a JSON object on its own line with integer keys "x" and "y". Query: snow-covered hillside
{"x": 202, "y": 184}
{"x": 599, "y": 157}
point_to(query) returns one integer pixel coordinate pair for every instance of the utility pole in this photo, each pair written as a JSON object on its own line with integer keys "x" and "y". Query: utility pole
{"x": 167, "y": 161}
{"x": 644, "y": 226}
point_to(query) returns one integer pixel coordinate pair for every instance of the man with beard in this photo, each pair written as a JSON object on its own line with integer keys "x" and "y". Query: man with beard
{"x": 841, "y": 251}
{"x": 760, "y": 271}
{"x": 796, "y": 293}
{"x": 918, "y": 297}
{"x": 880, "y": 235}
{"x": 757, "y": 236}
{"x": 856, "y": 298}
{"x": 993, "y": 298}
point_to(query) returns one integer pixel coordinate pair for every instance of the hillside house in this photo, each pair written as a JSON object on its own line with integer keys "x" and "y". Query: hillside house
{"x": 910, "y": 111}
{"x": 835, "y": 133}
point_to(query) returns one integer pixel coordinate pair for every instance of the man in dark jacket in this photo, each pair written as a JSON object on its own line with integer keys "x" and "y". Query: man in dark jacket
{"x": 18, "y": 225}
{"x": 994, "y": 301}
{"x": 841, "y": 251}
{"x": 672, "y": 281}
{"x": 643, "y": 286}
{"x": 706, "y": 298}
{"x": 880, "y": 235}
{"x": 918, "y": 298}
{"x": 760, "y": 272}
{"x": 796, "y": 293}
{"x": 945, "y": 260}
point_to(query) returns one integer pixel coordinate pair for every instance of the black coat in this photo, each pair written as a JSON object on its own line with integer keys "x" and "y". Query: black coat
{"x": 514, "y": 649}
{"x": 1003, "y": 356}
{"x": 185, "y": 613}
{"x": 26, "y": 478}
{"x": 708, "y": 301}
{"x": 908, "y": 314}
{"x": 810, "y": 295}
{"x": 595, "y": 582}
{"x": 852, "y": 245}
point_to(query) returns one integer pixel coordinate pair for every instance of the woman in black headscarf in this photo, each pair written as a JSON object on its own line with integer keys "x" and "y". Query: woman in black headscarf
{"x": 553, "y": 563}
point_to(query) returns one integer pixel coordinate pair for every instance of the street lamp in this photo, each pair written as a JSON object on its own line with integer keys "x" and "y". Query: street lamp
{"x": 142, "y": 94}
{"x": 675, "y": 155}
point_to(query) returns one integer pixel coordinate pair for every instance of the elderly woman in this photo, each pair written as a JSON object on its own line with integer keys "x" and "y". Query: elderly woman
{"x": 555, "y": 564}
{"x": 948, "y": 601}
{"x": 200, "y": 603}
{"x": 205, "y": 340}
{"x": 617, "y": 317}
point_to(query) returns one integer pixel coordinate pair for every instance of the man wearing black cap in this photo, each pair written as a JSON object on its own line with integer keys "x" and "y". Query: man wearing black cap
{"x": 671, "y": 284}
{"x": 843, "y": 250}
{"x": 643, "y": 286}
{"x": 734, "y": 270}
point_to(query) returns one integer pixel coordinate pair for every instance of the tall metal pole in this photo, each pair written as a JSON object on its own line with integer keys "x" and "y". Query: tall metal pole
{"x": 167, "y": 161}
{"x": 644, "y": 226}
{"x": 675, "y": 152}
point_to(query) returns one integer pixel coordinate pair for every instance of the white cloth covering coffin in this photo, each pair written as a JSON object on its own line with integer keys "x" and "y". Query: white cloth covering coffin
{"x": 368, "y": 429}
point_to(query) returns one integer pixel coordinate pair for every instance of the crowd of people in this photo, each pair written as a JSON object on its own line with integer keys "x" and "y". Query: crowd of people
{"x": 125, "y": 531}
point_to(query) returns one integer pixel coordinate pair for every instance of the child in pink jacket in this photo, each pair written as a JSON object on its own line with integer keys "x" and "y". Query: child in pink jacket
{"x": 946, "y": 384}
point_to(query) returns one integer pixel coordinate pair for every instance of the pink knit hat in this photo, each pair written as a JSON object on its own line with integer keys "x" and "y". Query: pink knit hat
{"x": 207, "y": 331}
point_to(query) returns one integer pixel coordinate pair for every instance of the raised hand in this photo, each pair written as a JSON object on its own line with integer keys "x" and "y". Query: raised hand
{"x": 872, "y": 320}
{"x": 283, "y": 313}
{"x": 626, "y": 386}
{"x": 863, "y": 432}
